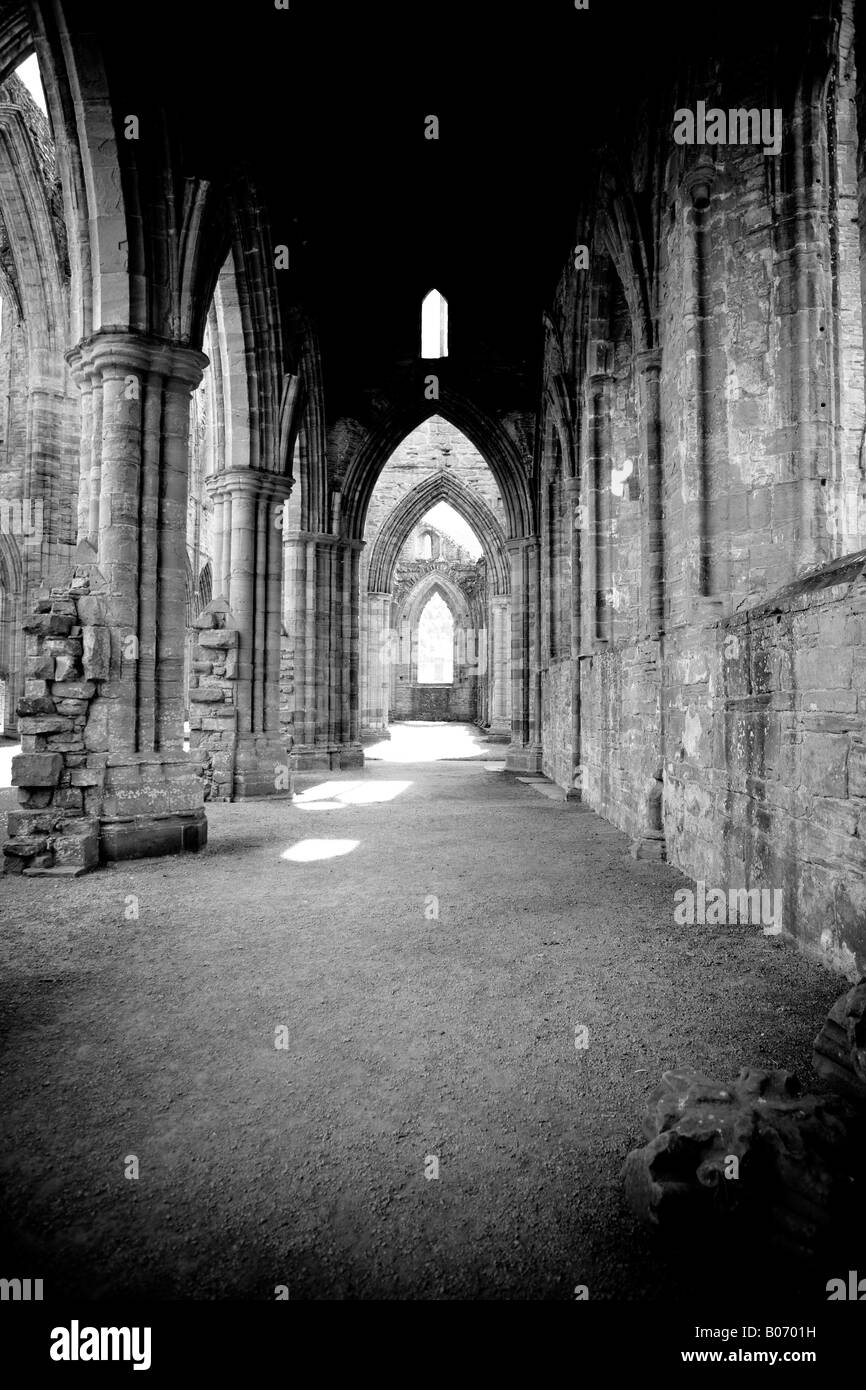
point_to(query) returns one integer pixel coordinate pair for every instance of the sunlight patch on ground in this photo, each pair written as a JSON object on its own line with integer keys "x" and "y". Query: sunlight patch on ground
{"x": 418, "y": 742}
{"x": 332, "y": 796}
{"x": 307, "y": 851}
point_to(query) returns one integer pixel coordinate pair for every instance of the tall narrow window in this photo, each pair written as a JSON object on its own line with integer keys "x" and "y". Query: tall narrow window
{"x": 434, "y": 325}
{"x": 436, "y": 643}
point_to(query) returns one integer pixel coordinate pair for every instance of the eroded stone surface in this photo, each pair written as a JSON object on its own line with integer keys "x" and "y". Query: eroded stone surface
{"x": 754, "y": 1152}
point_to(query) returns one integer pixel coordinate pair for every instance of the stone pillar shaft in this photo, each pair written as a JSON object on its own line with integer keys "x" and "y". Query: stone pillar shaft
{"x": 132, "y": 543}
{"x": 248, "y": 501}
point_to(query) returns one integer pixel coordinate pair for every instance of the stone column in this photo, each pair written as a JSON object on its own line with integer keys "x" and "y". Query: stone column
{"x": 322, "y": 620}
{"x": 602, "y": 547}
{"x": 135, "y": 456}
{"x": 377, "y": 653}
{"x": 499, "y": 679}
{"x": 524, "y": 752}
{"x": 248, "y": 500}
{"x": 574, "y": 514}
{"x": 652, "y": 533}
{"x": 702, "y": 517}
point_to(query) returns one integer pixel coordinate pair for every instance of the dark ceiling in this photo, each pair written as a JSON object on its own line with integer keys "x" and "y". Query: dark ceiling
{"x": 325, "y": 104}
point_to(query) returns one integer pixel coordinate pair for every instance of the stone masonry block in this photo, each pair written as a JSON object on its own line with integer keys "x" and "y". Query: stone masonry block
{"x": 36, "y": 770}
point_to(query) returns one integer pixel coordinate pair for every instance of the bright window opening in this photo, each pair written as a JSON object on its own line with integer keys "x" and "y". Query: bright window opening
{"x": 436, "y": 643}
{"x": 434, "y": 325}
{"x": 29, "y": 74}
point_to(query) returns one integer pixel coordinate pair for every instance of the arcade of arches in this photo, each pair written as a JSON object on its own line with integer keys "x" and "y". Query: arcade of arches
{"x": 664, "y": 616}
{"x": 611, "y": 511}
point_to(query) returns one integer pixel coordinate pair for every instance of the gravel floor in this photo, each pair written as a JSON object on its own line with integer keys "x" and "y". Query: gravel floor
{"x": 408, "y": 1037}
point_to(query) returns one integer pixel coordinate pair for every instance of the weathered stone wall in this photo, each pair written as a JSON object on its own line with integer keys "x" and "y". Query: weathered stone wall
{"x": 740, "y": 296}
{"x": 212, "y": 696}
{"x": 61, "y": 769}
{"x": 766, "y": 758}
{"x": 557, "y": 722}
{"x": 39, "y": 418}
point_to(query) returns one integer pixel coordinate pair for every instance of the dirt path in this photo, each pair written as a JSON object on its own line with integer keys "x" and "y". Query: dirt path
{"x": 408, "y": 1037}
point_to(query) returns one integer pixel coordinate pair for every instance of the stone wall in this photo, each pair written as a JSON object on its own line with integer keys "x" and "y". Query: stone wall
{"x": 80, "y": 800}
{"x": 766, "y": 758}
{"x": 212, "y": 698}
{"x": 61, "y": 770}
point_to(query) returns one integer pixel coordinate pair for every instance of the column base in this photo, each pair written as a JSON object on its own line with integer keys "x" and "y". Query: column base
{"x": 152, "y": 804}
{"x": 649, "y": 847}
{"x": 375, "y": 736}
{"x": 326, "y": 757}
{"x": 521, "y": 758}
{"x": 145, "y": 837}
{"x": 262, "y": 768}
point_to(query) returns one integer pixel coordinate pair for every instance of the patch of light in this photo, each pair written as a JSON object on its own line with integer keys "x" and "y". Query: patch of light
{"x": 332, "y": 796}
{"x": 307, "y": 851}
{"x": 429, "y": 743}
{"x": 29, "y": 74}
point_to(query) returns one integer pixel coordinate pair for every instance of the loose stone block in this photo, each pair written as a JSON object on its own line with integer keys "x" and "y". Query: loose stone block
{"x": 74, "y": 690}
{"x": 39, "y": 667}
{"x": 36, "y": 769}
{"x": 206, "y": 695}
{"x": 46, "y": 724}
{"x": 96, "y": 652}
{"x": 839, "y": 1055}
{"x": 35, "y": 705}
{"x": 223, "y": 637}
{"x": 795, "y": 1158}
{"x": 25, "y": 848}
{"x": 35, "y": 797}
{"x": 92, "y": 610}
{"x": 67, "y": 668}
{"x": 77, "y": 845}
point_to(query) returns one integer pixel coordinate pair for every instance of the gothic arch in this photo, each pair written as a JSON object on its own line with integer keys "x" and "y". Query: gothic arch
{"x": 441, "y": 487}
{"x": 490, "y": 439}
{"x": 415, "y": 601}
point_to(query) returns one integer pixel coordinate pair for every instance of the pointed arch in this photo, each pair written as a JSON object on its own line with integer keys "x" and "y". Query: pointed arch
{"x": 395, "y": 531}
{"x": 495, "y": 445}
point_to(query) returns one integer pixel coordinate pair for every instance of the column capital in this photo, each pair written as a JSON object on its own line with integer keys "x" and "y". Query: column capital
{"x": 514, "y": 544}
{"x": 259, "y": 482}
{"x": 120, "y": 352}
{"x": 648, "y": 360}
{"x": 698, "y": 182}
{"x": 599, "y": 381}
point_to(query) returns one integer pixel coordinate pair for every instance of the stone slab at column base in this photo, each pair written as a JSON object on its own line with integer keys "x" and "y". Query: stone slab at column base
{"x": 145, "y": 837}
{"x": 523, "y": 759}
{"x": 152, "y": 804}
{"x": 649, "y": 847}
{"x": 375, "y": 736}
{"x": 352, "y": 755}
{"x": 262, "y": 768}
{"x": 316, "y": 757}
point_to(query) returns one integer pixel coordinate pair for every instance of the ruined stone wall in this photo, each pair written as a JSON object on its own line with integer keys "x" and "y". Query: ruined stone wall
{"x": 766, "y": 758}
{"x": 213, "y": 703}
{"x": 734, "y": 718}
{"x": 39, "y": 404}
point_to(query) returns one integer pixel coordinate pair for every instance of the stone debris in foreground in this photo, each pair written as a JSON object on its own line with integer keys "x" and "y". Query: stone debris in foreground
{"x": 750, "y": 1153}
{"x": 839, "y": 1055}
